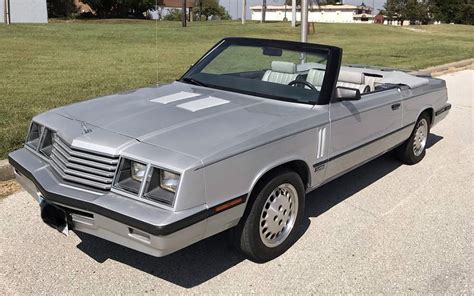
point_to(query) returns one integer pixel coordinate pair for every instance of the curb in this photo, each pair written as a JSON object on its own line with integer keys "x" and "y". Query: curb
{"x": 450, "y": 67}
{"x": 6, "y": 171}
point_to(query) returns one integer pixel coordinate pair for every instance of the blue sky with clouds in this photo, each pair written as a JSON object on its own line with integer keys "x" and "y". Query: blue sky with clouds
{"x": 235, "y": 6}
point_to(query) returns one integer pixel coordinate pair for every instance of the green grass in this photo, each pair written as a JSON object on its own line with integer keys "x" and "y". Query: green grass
{"x": 46, "y": 66}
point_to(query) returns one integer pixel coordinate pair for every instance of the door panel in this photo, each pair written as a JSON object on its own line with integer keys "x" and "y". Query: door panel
{"x": 357, "y": 123}
{"x": 319, "y": 143}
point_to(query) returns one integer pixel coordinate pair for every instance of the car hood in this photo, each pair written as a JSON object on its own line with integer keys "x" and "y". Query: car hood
{"x": 192, "y": 120}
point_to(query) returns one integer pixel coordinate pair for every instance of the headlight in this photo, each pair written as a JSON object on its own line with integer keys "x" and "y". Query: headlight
{"x": 169, "y": 181}
{"x": 47, "y": 141}
{"x": 138, "y": 171}
{"x": 161, "y": 186}
{"x": 130, "y": 175}
{"x": 34, "y": 135}
{"x": 40, "y": 138}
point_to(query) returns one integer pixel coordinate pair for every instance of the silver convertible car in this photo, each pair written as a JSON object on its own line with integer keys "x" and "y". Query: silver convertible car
{"x": 234, "y": 144}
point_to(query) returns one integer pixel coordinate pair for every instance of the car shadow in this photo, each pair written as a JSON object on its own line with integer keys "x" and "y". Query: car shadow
{"x": 352, "y": 182}
{"x": 208, "y": 258}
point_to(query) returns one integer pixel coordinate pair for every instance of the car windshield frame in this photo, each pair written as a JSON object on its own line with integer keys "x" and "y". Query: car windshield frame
{"x": 333, "y": 62}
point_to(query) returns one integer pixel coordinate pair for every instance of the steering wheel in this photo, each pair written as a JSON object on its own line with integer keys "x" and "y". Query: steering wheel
{"x": 304, "y": 82}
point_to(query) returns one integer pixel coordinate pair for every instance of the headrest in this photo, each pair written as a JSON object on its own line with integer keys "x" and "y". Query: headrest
{"x": 284, "y": 67}
{"x": 351, "y": 77}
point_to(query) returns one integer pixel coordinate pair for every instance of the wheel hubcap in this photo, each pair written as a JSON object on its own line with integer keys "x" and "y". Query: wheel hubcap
{"x": 421, "y": 134}
{"x": 278, "y": 215}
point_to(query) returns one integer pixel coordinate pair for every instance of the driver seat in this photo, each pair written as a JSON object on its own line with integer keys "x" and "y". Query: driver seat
{"x": 315, "y": 77}
{"x": 281, "y": 72}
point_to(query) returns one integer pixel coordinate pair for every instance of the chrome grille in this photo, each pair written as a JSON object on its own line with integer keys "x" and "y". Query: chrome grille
{"x": 83, "y": 167}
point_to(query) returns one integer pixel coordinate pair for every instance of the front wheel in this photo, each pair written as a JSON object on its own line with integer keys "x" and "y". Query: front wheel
{"x": 414, "y": 149}
{"x": 270, "y": 227}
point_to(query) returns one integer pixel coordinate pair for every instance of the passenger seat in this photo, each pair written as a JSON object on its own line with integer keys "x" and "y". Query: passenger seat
{"x": 373, "y": 80}
{"x": 353, "y": 80}
{"x": 281, "y": 72}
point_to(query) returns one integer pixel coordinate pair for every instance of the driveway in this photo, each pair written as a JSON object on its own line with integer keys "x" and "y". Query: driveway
{"x": 383, "y": 228}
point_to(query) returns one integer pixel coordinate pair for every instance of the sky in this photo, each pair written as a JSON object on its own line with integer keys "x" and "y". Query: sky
{"x": 234, "y": 7}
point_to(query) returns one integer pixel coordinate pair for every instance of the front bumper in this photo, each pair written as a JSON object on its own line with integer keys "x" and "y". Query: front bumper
{"x": 113, "y": 217}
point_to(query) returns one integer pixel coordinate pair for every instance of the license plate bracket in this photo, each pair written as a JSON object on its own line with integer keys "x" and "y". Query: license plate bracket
{"x": 54, "y": 216}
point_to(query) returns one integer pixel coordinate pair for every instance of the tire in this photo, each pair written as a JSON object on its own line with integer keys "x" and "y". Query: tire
{"x": 414, "y": 149}
{"x": 271, "y": 222}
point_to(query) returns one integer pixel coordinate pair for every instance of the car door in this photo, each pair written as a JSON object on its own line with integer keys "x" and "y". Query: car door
{"x": 363, "y": 129}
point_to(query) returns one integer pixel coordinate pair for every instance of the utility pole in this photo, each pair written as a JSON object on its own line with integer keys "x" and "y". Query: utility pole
{"x": 200, "y": 10}
{"x": 304, "y": 20}
{"x": 264, "y": 11}
{"x": 7, "y": 12}
{"x": 183, "y": 14}
{"x": 244, "y": 11}
{"x": 373, "y": 11}
{"x": 293, "y": 13}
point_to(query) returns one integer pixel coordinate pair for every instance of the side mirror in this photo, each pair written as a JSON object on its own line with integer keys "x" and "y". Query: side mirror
{"x": 347, "y": 94}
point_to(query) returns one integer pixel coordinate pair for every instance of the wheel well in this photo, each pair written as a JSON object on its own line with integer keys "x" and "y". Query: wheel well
{"x": 298, "y": 166}
{"x": 430, "y": 113}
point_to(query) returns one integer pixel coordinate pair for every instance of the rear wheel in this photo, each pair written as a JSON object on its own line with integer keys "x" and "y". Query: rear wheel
{"x": 270, "y": 226}
{"x": 414, "y": 149}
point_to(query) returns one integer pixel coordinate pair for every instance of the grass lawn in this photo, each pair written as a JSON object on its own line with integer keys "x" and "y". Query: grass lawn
{"x": 45, "y": 66}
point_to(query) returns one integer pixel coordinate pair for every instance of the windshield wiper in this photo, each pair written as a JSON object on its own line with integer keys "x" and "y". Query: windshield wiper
{"x": 193, "y": 81}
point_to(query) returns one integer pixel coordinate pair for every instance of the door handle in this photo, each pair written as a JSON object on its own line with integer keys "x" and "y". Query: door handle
{"x": 396, "y": 106}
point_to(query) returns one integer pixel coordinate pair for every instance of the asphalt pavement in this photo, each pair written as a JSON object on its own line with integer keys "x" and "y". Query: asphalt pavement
{"x": 383, "y": 228}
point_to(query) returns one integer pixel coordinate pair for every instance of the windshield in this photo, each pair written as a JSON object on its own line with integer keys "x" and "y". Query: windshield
{"x": 268, "y": 71}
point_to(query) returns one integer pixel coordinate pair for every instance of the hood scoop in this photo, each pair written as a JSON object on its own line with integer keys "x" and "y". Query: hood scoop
{"x": 202, "y": 104}
{"x": 182, "y": 95}
{"x": 193, "y": 105}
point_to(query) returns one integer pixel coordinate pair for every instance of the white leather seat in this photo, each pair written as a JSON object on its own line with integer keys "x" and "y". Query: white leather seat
{"x": 315, "y": 77}
{"x": 281, "y": 72}
{"x": 353, "y": 80}
{"x": 372, "y": 81}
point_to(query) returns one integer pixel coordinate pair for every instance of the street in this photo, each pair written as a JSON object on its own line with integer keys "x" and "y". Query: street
{"x": 383, "y": 228}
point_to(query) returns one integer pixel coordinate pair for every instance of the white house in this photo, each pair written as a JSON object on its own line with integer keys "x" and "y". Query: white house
{"x": 343, "y": 13}
{"x": 23, "y": 11}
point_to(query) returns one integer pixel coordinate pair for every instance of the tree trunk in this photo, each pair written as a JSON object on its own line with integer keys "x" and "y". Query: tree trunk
{"x": 244, "y": 10}
{"x": 183, "y": 13}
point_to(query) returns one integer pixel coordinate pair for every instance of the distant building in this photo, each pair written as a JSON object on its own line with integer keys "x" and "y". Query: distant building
{"x": 343, "y": 13}
{"x": 23, "y": 11}
{"x": 363, "y": 14}
{"x": 3, "y": 13}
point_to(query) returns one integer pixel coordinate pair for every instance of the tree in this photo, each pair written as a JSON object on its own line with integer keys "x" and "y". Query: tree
{"x": 453, "y": 11}
{"x": 61, "y": 8}
{"x": 211, "y": 8}
{"x": 173, "y": 15}
{"x": 402, "y": 10}
{"x": 138, "y": 7}
{"x": 264, "y": 10}
{"x": 119, "y": 8}
{"x": 390, "y": 8}
{"x": 417, "y": 12}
